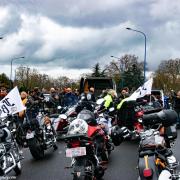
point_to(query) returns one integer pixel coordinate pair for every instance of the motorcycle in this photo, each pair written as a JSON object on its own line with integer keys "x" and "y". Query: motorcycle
{"x": 40, "y": 134}
{"x": 62, "y": 120}
{"x": 155, "y": 157}
{"x": 83, "y": 149}
{"x": 10, "y": 157}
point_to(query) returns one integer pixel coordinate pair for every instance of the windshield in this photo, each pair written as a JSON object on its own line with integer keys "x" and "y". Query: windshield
{"x": 78, "y": 126}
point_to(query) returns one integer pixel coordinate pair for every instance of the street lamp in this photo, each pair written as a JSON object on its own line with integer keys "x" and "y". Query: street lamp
{"x": 144, "y": 48}
{"x": 11, "y": 68}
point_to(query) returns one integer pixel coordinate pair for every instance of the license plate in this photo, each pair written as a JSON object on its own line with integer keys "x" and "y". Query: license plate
{"x": 75, "y": 152}
{"x": 30, "y": 135}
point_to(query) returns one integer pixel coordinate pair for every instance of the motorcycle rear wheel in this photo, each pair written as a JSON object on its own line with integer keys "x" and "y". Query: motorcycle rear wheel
{"x": 35, "y": 148}
{"x": 83, "y": 178}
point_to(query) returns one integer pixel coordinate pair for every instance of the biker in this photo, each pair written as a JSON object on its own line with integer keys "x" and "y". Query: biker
{"x": 176, "y": 105}
{"x": 33, "y": 103}
{"x": 3, "y": 92}
{"x": 108, "y": 101}
{"x": 90, "y": 95}
{"x": 53, "y": 101}
{"x": 69, "y": 98}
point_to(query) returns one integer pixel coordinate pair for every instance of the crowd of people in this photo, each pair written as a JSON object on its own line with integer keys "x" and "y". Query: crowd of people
{"x": 69, "y": 97}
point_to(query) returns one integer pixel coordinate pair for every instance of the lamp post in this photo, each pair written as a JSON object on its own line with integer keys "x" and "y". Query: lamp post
{"x": 11, "y": 68}
{"x": 144, "y": 48}
{"x": 121, "y": 73}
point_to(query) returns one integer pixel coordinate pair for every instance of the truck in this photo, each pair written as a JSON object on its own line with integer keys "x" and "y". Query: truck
{"x": 98, "y": 83}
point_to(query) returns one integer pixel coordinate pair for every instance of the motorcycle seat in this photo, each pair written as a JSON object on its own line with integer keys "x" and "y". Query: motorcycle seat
{"x": 148, "y": 152}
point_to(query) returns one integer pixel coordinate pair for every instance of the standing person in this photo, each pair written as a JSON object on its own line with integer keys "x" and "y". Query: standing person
{"x": 54, "y": 100}
{"x": 123, "y": 94}
{"x": 24, "y": 101}
{"x": 32, "y": 105}
{"x": 90, "y": 95}
{"x": 108, "y": 100}
{"x": 3, "y": 92}
{"x": 69, "y": 98}
{"x": 38, "y": 95}
{"x": 61, "y": 94}
{"x": 176, "y": 105}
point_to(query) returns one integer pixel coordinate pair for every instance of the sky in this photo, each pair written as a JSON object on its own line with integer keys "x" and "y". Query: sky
{"x": 68, "y": 37}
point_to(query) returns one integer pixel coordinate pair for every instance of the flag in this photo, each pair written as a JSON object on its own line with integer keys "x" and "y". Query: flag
{"x": 142, "y": 90}
{"x": 11, "y": 103}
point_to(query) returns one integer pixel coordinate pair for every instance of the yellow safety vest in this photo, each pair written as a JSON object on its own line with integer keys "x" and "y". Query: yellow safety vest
{"x": 121, "y": 103}
{"x": 108, "y": 99}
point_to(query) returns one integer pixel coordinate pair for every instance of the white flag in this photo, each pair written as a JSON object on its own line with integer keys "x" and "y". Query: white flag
{"x": 11, "y": 103}
{"x": 142, "y": 90}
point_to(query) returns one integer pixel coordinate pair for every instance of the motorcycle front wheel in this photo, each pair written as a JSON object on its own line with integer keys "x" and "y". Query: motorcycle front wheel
{"x": 18, "y": 168}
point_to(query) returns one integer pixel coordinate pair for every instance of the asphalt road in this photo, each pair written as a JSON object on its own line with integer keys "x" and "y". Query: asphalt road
{"x": 122, "y": 164}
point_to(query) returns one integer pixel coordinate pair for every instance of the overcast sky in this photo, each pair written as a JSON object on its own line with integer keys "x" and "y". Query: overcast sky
{"x": 68, "y": 37}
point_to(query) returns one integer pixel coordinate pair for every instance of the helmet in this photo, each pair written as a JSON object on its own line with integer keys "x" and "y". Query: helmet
{"x": 87, "y": 116}
{"x": 78, "y": 126}
{"x": 118, "y": 134}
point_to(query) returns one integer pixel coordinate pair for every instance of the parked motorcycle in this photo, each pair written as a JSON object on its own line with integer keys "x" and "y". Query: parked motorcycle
{"x": 62, "y": 120}
{"x": 155, "y": 155}
{"x": 83, "y": 149}
{"x": 40, "y": 134}
{"x": 9, "y": 152}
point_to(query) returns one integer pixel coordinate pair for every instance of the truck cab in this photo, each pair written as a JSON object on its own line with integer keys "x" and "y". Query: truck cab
{"x": 99, "y": 84}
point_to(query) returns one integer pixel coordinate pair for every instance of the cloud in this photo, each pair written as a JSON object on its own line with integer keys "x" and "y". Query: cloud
{"x": 69, "y": 34}
{"x": 165, "y": 10}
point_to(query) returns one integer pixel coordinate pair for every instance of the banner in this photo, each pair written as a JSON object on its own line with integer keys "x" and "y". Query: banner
{"x": 142, "y": 90}
{"x": 11, "y": 103}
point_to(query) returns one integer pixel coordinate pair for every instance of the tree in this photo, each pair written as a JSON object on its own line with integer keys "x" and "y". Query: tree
{"x": 97, "y": 71}
{"x": 126, "y": 71}
{"x": 167, "y": 76}
{"x": 4, "y": 80}
{"x": 27, "y": 79}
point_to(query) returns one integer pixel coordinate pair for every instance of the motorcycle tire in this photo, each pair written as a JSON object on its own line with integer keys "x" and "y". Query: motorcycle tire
{"x": 18, "y": 168}
{"x": 80, "y": 166}
{"x": 36, "y": 150}
{"x": 105, "y": 156}
{"x": 82, "y": 178}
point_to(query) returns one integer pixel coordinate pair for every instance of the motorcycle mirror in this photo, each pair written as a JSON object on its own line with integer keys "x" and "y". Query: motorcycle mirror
{"x": 150, "y": 103}
{"x": 100, "y": 101}
{"x": 62, "y": 116}
{"x": 59, "y": 107}
{"x": 111, "y": 109}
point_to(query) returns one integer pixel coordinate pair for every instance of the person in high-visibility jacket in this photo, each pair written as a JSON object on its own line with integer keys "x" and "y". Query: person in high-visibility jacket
{"x": 108, "y": 100}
